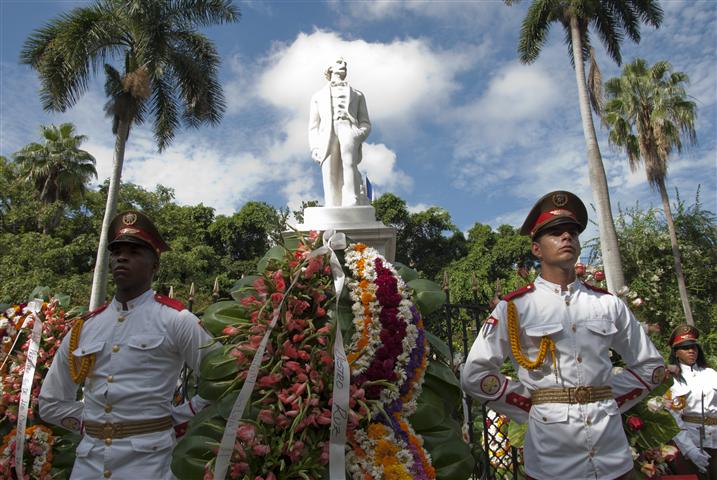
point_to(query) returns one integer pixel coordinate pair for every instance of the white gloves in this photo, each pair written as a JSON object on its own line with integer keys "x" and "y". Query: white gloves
{"x": 699, "y": 458}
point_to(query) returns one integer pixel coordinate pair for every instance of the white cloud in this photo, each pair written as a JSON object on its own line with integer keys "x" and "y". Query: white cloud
{"x": 379, "y": 163}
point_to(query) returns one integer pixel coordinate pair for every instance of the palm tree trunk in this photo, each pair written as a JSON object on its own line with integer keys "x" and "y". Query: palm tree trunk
{"x": 99, "y": 279}
{"x": 598, "y": 180}
{"x": 675, "y": 252}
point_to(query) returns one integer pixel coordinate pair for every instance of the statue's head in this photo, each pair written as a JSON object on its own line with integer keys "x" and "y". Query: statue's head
{"x": 338, "y": 68}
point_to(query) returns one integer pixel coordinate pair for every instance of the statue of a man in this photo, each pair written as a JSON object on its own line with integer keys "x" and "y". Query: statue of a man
{"x": 338, "y": 125}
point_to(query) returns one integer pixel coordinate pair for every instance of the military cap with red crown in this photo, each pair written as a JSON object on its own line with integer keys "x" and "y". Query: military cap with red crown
{"x": 684, "y": 335}
{"x": 136, "y": 227}
{"x": 555, "y": 208}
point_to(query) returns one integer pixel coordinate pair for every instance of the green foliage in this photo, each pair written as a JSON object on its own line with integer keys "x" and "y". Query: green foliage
{"x": 493, "y": 256}
{"x": 427, "y": 240}
{"x": 649, "y": 266}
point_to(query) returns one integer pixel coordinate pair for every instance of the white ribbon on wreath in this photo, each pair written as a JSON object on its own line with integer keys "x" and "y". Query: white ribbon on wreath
{"x": 34, "y": 307}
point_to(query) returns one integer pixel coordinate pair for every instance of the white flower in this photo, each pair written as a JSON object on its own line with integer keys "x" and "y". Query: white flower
{"x": 654, "y": 404}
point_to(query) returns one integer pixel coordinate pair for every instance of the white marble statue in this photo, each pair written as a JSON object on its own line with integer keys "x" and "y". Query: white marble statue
{"x": 338, "y": 125}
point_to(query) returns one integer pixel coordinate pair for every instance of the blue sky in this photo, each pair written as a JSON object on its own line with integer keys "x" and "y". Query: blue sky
{"x": 458, "y": 122}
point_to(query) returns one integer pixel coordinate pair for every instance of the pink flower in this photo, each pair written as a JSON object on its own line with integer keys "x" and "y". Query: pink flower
{"x": 260, "y": 450}
{"x": 648, "y": 468}
{"x": 635, "y": 422}
{"x": 269, "y": 380}
{"x": 599, "y": 275}
{"x": 231, "y": 331}
{"x": 246, "y": 432}
{"x": 266, "y": 416}
{"x": 278, "y": 279}
{"x": 669, "y": 452}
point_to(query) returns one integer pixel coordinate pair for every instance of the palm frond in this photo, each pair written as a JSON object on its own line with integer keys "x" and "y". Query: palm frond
{"x": 535, "y": 29}
{"x": 594, "y": 83}
{"x": 205, "y": 12}
{"x": 163, "y": 107}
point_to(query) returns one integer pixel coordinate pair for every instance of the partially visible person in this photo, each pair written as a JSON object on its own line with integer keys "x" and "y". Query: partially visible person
{"x": 127, "y": 355}
{"x": 558, "y": 331}
{"x": 694, "y": 401}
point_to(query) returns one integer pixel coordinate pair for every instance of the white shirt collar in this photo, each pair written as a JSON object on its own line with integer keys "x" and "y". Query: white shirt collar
{"x": 135, "y": 302}
{"x": 555, "y": 287}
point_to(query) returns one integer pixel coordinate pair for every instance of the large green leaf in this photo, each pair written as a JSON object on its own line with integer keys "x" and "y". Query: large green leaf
{"x": 407, "y": 273}
{"x": 435, "y": 421}
{"x": 439, "y": 372}
{"x": 276, "y": 252}
{"x": 213, "y": 389}
{"x": 191, "y": 455}
{"x": 438, "y": 346}
{"x": 219, "y": 364}
{"x": 429, "y": 296}
{"x": 243, "y": 287}
{"x": 222, "y": 314}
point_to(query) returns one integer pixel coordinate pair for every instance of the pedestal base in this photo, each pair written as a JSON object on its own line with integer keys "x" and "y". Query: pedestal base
{"x": 358, "y": 223}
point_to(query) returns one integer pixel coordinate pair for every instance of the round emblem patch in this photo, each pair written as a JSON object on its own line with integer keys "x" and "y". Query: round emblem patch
{"x": 560, "y": 199}
{"x": 658, "y": 375}
{"x": 129, "y": 218}
{"x": 70, "y": 423}
{"x": 490, "y": 384}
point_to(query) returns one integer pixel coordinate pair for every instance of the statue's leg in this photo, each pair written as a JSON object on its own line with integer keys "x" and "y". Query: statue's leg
{"x": 351, "y": 191}
{"x": 332, "y": 174}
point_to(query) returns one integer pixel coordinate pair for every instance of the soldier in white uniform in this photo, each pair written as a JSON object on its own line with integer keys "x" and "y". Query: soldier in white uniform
{"x": 558, "y": 332}
{"x": 127, "y": 354}
{"x": 694, "y": 387}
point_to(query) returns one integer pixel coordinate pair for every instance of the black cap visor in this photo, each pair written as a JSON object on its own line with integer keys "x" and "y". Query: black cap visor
{"x": 129, "y": 239}
{"x": 555, "y": 222}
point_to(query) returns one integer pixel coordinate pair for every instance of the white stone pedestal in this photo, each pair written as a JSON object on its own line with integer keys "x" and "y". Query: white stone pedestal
{"x": 358, "y": 223}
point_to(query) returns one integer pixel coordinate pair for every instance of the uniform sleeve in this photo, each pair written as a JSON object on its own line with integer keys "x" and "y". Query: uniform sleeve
{"x": 481, "y": 377}
{"x": 58, "y": 395}
{"x": 194, "y": 343}
{"x": 645, "y": 368}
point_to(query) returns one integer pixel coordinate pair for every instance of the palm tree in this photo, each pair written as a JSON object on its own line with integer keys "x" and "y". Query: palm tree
{"x": 58, "y": 168}
{"x": 648, "y": 114}
{"x": 168, "y": 73}
{"x": 612, "y": 19}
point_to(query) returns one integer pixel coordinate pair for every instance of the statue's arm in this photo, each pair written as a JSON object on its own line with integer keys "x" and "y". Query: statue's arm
{"x": 364, "y": 124}
{"x": 314, "y": 123}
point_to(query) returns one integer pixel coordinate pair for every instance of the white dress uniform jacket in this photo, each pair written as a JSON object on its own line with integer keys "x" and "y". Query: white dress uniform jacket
{"x": 695, "y": 382}
{"x": 566, "y": 441}
{"x": 139, "y": 354}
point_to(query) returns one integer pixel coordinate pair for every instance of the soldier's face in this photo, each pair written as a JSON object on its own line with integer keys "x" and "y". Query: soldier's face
{"x": 687, "y": 354}
{"x": 558, "y": 245}
{"x": 132, "y": 265}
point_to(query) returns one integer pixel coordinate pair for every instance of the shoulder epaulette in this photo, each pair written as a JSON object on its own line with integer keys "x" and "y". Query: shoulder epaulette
{"x": 517, "y": 293}
{"x": 596, "y": 289}
{"x": 170, "y": 302}
{"x": 87, "y": 315}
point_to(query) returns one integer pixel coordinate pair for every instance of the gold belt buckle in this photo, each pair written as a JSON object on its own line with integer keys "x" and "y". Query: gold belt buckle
{"x": 581, "y": 394}
{"x": 108, "y": 430}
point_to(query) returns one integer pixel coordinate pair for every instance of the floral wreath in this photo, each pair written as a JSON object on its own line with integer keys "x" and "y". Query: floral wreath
{"x": 285, "y": 430}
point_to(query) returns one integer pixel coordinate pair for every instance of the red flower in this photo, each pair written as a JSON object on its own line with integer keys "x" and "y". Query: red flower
{"x": 635, "y": 423}
{"x": 579, "y": 269}
{"x": 599, "y": 275}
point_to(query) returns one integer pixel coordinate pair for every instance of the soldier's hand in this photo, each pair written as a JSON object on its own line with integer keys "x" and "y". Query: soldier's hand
{"x": 699, "y": 458}
{"x": 672, "y": 371}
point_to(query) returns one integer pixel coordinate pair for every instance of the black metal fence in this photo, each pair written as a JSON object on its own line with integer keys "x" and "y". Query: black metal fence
{"x": 458, "y": 324}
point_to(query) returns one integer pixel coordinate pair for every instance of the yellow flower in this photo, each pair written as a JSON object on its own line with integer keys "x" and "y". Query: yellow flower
{"x": 376, "y": 431}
